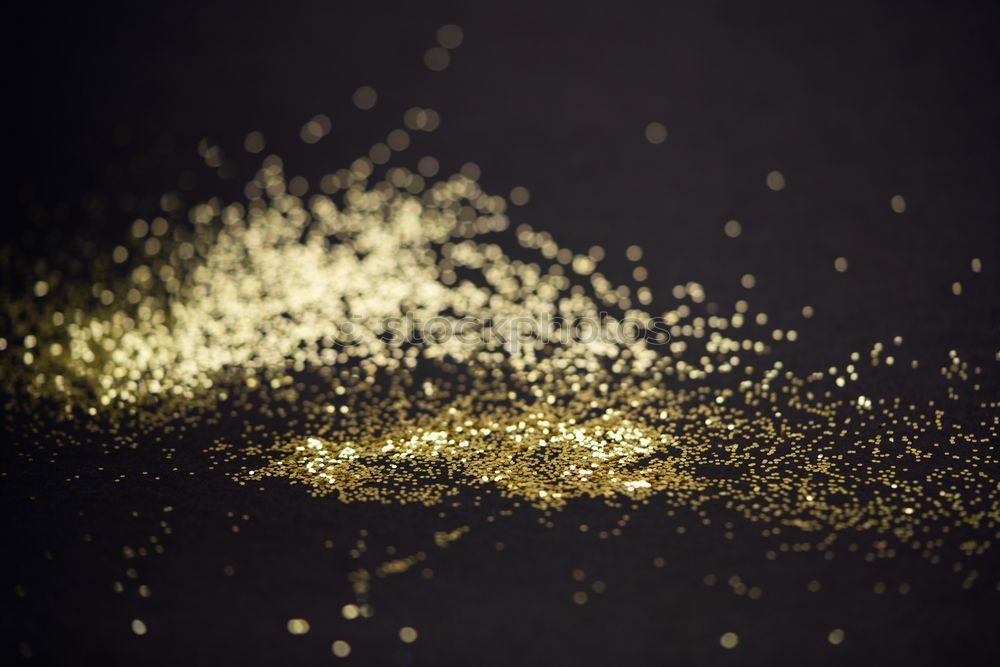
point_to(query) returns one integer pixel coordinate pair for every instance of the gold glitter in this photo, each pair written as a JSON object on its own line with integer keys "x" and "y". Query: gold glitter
{"x": 340, "y": 648}
{"x": 776, "y": 180}
{"x": 138, "y": 627}
{"x": 519, "y": 196}
{"x": 898, "y": 204}
{"x": 733, "y": 228}
{"x": 840, "y": 264}
{"x": 398, "y": 140}
{"x": 317, "y": 128}
{"x": 437, "y": 58}
{"x": 407, "y": 634}
{"x": 280, "y": 306}
{"x": 656, "y": 133}
{"x": 449, "y": 36}
{"x": 253, "y": 143}
{"x": 365, "y": 98}
{"x": 428, "y": 166}
{"x": 836, "y": 636}
{"x": 298, "y": 626}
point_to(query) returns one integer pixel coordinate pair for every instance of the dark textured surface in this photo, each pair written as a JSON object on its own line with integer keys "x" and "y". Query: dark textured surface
{"x": 852, "y": 103}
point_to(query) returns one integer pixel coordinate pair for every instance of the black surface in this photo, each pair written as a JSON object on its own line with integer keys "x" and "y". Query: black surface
{"x": 852, "y": 102}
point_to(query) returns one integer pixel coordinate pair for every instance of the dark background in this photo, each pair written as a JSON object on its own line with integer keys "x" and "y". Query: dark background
{"x": 852, "y": 102}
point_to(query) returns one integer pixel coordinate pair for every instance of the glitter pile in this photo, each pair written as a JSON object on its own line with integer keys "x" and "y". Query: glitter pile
{"x": 279, "y": 307}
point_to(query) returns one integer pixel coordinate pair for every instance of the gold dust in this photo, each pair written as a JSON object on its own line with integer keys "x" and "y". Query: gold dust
{"x": 298, "y": 626}
{"x": 450, "y": 36}
{"x": 898, "y": 204}
{"x": 437, "y": 58}
{"x": 775, "y": 180}
{"x": 733, "y": 228}
{"x": 364, "y": 98}
{"x": 228, "y": 311}
{"x": 840, "y": 264}
{"x": 428, "y": 166}
{"x": 254, "y": 142}
{"x": 519, "y": 196}
{"x": 315, "y": 129}
{"x": 398, "y": 140}
{"x": 836, "y": 636}
{"x": 729, "y": 640}
{"x": 407, "y": 635}
{"x": 340, "y": 648}
{"x": 138, "y": 627}
{"x": 656, "y": 133}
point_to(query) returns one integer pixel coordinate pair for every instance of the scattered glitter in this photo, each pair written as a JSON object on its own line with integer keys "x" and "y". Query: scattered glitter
{"x": 411, "y": 351}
